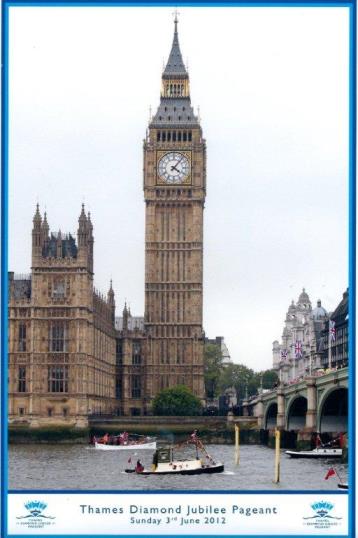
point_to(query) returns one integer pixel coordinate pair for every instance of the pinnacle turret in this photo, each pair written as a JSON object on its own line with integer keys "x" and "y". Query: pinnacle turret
{"x": 125, "y": 317}
{"x": 37, "y": 220}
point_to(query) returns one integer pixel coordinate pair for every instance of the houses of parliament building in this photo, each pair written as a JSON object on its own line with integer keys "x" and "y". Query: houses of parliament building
{"x": 69, "y": 356}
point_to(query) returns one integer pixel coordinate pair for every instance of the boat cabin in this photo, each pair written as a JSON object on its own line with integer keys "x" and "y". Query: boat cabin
{"x": 163, "y": 461}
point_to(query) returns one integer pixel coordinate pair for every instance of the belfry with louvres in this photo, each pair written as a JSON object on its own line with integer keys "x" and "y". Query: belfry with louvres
{"x": 70, "y": 357}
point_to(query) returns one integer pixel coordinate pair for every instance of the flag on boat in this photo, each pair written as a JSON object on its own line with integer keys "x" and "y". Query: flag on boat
{"x": 284, "y": 354}
{"x": 330, "y": 472}
{"x": 298, "y": 349}
{"x": 332, "y": 330}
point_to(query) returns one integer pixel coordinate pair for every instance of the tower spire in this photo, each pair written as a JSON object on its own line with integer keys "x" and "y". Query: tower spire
{"x": 175, "y": 65}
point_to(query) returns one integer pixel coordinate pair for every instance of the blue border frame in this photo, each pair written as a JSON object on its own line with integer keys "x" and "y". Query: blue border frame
{"x": 352, "y": 5}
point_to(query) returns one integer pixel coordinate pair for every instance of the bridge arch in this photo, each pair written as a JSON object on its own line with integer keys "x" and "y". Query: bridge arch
{"x": 296, "y": 413}
{"x": 271, "y": 416}
{"x": 333, "y": 411}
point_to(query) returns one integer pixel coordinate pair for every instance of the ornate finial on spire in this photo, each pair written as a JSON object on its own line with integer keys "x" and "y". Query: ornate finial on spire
{"x": 176, "y": 13}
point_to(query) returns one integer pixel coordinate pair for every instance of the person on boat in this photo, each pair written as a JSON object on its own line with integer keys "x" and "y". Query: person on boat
{"x": 105, "y": 439}
{"x": 139, "y": 467}
{"x": 194, "y": 436}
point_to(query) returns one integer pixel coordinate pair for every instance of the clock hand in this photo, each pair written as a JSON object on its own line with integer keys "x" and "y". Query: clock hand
{"x": 175, "y": 166}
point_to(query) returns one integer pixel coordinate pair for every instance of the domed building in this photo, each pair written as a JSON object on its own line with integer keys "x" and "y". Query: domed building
{"x": 298, "y": 353}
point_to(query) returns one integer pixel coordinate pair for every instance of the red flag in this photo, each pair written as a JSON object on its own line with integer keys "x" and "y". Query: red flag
{"x": 331, "y": 472}
{"x": 130, "y": 459}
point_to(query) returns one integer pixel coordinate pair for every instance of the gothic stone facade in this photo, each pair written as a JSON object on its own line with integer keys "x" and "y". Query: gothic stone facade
{"x": 69, "y": 357}
{"x": 61, "y": 332}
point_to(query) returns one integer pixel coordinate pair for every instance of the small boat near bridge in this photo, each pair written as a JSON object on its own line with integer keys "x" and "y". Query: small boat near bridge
{"x": 316, "y": 453}
{"x": 332, "y": 449}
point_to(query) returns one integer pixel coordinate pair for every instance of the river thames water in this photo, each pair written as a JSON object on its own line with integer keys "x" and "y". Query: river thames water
{"x": 85, "y": 468}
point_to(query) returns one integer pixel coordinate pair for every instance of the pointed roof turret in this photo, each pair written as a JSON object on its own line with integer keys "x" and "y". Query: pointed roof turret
{"x": 125, "y": 317}
{"x": 175, "y": 65}
{"x": 37, "y": 220}
{"x": 89, "y": 221}
{"x": 82, "y": 217}
{"x": 110, "y": 295}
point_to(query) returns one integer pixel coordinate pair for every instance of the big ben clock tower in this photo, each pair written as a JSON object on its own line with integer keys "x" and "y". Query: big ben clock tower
{"x": 174, "y": 190}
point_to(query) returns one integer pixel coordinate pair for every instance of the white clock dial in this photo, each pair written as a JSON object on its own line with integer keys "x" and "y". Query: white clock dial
{"x": 173, "y": 167}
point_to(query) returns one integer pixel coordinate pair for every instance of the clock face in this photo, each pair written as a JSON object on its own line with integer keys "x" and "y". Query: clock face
{"x": 173, "y": 167}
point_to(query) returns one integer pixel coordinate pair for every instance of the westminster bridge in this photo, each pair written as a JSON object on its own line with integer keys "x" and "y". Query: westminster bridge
{"x": 315, "y": 403}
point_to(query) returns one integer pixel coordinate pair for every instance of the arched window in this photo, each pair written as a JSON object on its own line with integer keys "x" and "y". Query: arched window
{"x": 169, "y": 136}
{"x": 158, "y": 136}
{"x": 174, "y": 136}
{"x": 163, "y": 136}
{"x": 189, "y": 136}
{"x": 179, "y": 136}
{"x": 184, "y": 136}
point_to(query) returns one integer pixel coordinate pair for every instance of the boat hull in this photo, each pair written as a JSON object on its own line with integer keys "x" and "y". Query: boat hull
{"x": 318, "y": 453}
{"x": 203, "y": 470}
{"x": 139, "y": 446}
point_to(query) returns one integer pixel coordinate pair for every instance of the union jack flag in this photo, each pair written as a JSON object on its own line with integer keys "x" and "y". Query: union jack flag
{"x": 332, "y": 330}
{"x": 298, "y": 349}
{"x": 284, "y": 354}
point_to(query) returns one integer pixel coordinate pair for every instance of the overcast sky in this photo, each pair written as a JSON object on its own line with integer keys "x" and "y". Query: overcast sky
{"x": 272, "y": 86}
